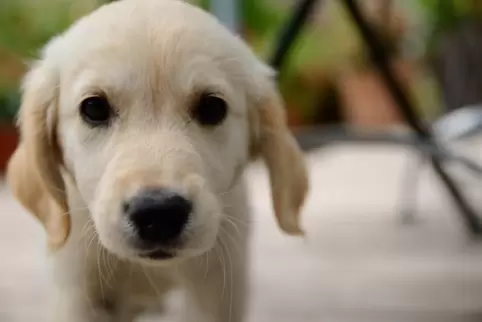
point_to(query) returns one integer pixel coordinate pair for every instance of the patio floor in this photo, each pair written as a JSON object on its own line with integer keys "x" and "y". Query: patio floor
{"x": 358, "y": 263}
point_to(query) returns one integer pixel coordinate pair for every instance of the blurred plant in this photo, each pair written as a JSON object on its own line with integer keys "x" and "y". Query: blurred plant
{"x": 453, "y": 49}
{"x": 325, "y": 42}
{"x": 26, "y": 25}
{"x": 9, "y": 102}
{"x": 446, "y": 15}
{"x": 260, "y": 20}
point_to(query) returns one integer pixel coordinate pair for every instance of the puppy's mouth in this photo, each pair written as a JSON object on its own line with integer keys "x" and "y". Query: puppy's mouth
{"x": 158, "y": 254}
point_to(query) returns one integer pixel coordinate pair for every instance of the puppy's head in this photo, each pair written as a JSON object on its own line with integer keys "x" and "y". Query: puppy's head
{"x": 151, "y": 109}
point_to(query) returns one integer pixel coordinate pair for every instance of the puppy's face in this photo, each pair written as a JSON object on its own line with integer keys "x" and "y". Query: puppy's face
{"x": 152, "y": 114}
{"x": 153, "y": 125}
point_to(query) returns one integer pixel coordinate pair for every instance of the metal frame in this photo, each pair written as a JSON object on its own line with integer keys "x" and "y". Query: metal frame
{"x": 382, "y": 63}
{"x": 463, "y": 123}
{"x": 227, "y": 12}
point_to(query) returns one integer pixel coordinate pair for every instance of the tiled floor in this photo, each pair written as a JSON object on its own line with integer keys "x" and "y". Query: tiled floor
{"x": 358, "y": 263}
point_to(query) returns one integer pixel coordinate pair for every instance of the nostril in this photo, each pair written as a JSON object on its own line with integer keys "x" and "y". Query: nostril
{"x": 125, "y": 207}
{"x": 158, "y": 215}
{"x": 179, "y": 205}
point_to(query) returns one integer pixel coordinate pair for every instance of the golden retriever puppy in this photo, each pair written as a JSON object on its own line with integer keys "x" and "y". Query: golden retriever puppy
{"x": 136, "y": 125}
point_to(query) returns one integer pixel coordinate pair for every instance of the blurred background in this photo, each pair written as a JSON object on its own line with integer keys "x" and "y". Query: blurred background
{"x": 385, "y": 242}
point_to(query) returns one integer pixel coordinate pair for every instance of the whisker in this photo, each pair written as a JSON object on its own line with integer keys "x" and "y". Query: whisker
{"x": 100, "y": 274}
{"x": 106, "y": 266}
{"x": 207, "y": 266}
{"x": 111, "y": 266}
{"x": 246, "y": 223}
{"x": 221, "y": 258}
{"x": 94, "y": 236}
{"x": 151, "y": 282}
{"x": 233, "y": 224}
{"x": 88, "y": 227}
{"x": 232, "y": 239}
{"x": 89, "y": 236}
{"x": 230, "y": 278}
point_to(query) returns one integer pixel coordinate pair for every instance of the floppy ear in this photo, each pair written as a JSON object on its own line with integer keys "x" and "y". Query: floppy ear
{"x": 33, "y": 172}
{"x": 283, "y": 157}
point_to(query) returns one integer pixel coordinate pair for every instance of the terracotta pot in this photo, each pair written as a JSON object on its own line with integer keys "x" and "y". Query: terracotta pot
{"x": 8, "y": 143}
{"x": 294, "y": 118}
{"x": 366, "y": 100}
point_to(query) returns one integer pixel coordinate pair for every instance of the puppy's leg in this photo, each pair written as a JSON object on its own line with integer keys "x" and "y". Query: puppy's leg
{"x": 73, "y": 307}
{"x": 81, "y": 298}
{"x": 86, "y": 285}
{"x": 216, "y": 284}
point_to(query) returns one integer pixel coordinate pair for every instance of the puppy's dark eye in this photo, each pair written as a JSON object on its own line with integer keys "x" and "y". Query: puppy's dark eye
{"x": 96, "y": 110}
{"x": 210, "y": 110}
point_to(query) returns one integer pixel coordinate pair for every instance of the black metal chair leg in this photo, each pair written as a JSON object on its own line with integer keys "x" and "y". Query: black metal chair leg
{"x": 410, "y": 188}
{"x": 289, "y": 34}
{"x": 382, "y": 62}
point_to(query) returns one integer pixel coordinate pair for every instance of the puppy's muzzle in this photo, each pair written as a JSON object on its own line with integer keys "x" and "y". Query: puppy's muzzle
{"x": 158, "y": 217}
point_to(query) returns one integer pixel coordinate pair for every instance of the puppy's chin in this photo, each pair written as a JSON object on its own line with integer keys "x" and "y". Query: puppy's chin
{"x": 165, "y": 259}
{"x": 191, "y": 248}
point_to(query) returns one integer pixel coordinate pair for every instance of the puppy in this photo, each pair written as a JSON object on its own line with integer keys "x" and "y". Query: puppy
{"x": 136, "y": 126}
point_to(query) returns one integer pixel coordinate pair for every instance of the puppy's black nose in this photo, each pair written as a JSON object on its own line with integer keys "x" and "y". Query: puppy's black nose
{"x": 158, "y": 215}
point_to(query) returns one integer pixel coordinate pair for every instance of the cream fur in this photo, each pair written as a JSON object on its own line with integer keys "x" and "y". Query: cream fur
{"x": 150, "y": 58}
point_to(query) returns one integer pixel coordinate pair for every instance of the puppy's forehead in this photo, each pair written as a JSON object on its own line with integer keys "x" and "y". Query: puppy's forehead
{"x": 157, "y": 42}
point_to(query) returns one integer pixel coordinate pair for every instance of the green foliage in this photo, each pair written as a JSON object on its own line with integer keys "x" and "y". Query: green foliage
{"x": 203, "y": 4}
{"x": 261, "y": 16}
{"x": 445, "y": 15}
{"x": 258, "y": 15}
{"x": 25, "y": 26}
{"x": 9, "y": 103}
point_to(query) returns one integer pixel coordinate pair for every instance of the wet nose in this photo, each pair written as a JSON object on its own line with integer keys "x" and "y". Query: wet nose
{"x": 158, "y": 215}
